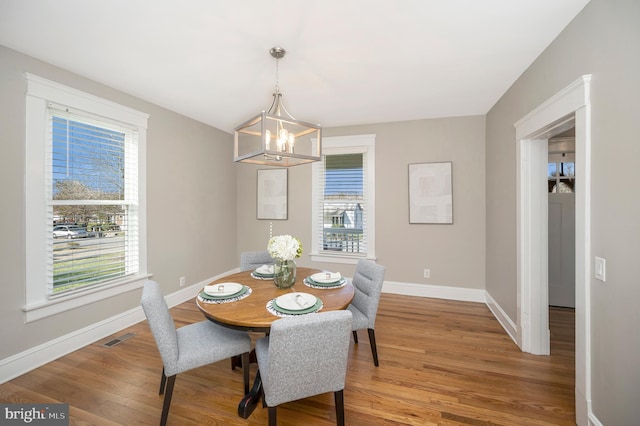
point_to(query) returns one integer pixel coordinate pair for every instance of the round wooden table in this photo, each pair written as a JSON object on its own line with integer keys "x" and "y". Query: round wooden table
{"x": 251, "y": 314}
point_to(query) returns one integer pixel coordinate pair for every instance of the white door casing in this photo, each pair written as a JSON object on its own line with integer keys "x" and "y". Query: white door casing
{"x": 568, "y": 108}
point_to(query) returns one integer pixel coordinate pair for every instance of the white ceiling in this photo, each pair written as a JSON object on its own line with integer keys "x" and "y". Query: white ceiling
{"x": 348, "y": 61}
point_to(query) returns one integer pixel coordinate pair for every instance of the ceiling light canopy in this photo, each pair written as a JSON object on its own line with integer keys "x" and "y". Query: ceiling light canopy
{"x": 275, "y": 137}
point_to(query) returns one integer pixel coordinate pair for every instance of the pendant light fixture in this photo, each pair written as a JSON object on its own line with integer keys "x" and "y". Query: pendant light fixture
{"x": 274, "y": 137}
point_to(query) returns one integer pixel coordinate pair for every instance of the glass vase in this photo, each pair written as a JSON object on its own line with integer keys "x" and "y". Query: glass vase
{"x": 284, "y": 273}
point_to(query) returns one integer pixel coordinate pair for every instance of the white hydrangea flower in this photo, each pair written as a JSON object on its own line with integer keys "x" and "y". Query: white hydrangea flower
{"x": 284, "y": 247}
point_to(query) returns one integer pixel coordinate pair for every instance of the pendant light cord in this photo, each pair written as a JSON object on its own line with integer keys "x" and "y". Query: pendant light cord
{"x": 277, "y": 75}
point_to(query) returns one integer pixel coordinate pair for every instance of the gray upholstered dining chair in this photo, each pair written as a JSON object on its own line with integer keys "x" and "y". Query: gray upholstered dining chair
{"x": 250, "y": 260}
{"x": 191, "y": 346}
{"x": 303, "y": 356}
{"x": 367, "y": 283}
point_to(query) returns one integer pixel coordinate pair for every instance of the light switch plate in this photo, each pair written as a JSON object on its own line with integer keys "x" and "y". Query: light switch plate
{"x": 601, "y": 269}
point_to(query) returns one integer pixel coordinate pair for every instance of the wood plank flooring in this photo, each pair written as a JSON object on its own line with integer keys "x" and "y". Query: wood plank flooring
{"x": 441, "y": 363}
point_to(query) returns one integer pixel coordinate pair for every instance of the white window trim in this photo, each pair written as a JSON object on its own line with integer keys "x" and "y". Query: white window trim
{"x": 39, "y": 93}
{"x": 346, "y": 144}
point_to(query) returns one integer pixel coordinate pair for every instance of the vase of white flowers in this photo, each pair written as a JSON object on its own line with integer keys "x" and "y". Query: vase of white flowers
{"x": 284, "y": 248}
{"x": 284, "y": 273}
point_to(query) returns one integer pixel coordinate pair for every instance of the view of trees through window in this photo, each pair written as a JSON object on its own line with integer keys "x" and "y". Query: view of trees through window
{"x": 90, "y": 215}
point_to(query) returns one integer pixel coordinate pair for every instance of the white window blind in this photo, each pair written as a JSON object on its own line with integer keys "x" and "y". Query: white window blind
{"x": 344, "y": 200}
{"x": 344, "y": 203}
{"x": 92, "y": 172}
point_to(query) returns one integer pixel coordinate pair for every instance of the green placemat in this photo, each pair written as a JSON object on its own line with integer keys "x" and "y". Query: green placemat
{"x": 334, "y": 284}
{"x": 313, "y": 308}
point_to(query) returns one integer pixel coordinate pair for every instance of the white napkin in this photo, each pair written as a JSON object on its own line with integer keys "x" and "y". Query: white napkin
{"x": 265, "y": 269}
{"x": 296, "y": 301}
{"x": 222, "y": 289}
{"x": 300, "y": 300}
{"x": 326, "y": 277}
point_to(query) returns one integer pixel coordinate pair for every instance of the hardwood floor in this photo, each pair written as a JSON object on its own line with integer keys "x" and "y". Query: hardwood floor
{"x": 441, "y": 363}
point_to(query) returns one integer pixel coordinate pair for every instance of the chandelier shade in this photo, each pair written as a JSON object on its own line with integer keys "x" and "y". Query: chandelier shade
{"x": 276, "y": 138}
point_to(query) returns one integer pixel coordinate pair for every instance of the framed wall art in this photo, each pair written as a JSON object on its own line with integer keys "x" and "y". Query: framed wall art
{"x": 272, "y": 192}
{"x": 430, "y": 193}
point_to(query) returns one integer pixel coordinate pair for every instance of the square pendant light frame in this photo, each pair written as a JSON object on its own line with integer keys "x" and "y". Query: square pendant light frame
{"x": 250, "y": 144}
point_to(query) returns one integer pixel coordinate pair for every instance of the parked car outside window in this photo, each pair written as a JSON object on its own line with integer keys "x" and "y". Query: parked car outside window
{"x": 70, "y": 231}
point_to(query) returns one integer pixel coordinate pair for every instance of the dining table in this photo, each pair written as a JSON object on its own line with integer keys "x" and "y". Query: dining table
{"x": 255, "y": 308}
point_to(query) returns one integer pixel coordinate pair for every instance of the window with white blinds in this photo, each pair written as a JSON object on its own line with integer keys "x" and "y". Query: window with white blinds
{"x": 85, "y": 204}
{"x": 344, "y": 199}
{"x": 93, "y": 198}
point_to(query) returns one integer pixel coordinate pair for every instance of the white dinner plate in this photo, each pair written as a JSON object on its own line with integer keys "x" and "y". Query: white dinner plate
{"x": 265, "y": 269}
{"x": 222, "y": 289}
{"x": 296, "y": 301}
{"x": 326, "y": 277}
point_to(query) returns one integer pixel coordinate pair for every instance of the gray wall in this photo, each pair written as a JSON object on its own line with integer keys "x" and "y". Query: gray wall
{"x": 603, "y": 41}
{"x": 197, "y": 223}
{"x": 191, "y": 198}
{"x": 454, "y": 253}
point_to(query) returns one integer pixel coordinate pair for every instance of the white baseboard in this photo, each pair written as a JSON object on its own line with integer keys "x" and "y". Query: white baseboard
{"x": 455, "y": 293}
{"x": 505, "y": 321}
{"x": 435, "y": 291}
{"x": 593, "y": 420}
{"x": 37, "y": 356}
{"x": 23, "y": 362}
{"x": 584, "y": 411}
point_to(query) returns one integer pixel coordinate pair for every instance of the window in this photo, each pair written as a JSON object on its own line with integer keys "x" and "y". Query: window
{"x": 561, "y": 177}
{"x": 94, "y": 186}
{"x": 85, "y": 198}
{"x": 561, "y": 170}
{"x": 343, "y": 194}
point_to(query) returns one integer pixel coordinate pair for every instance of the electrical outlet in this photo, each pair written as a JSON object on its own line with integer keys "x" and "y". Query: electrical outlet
{"x": 427, "y": 273}
{"x": 183, "y": 281}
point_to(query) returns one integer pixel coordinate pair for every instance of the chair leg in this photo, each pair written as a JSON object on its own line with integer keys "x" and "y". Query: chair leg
{"x": 355, "y": 336}
{"x": 167, "y": 400}
{"x": 235, "y": 362}
{"x": 374, "y": 349}
{"x": 339, "y": 397}
{"x": 272, "y": 416}
{"x": 245, "y": 371}
{"x": 163, "y": 381}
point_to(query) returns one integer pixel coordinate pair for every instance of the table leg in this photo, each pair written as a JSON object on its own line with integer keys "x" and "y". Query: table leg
{"x": 250, "y": 400}
{"x": 236, "y": 360}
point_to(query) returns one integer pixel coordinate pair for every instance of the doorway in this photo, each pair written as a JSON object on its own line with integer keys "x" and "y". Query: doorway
{"x": 568, "y": 108}
{"x": 561, "y": 179}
